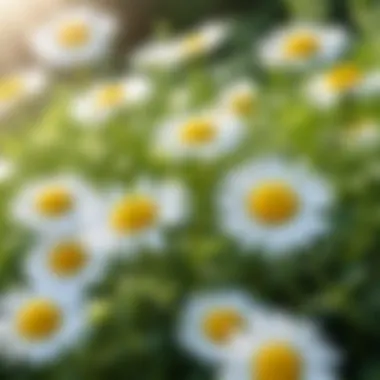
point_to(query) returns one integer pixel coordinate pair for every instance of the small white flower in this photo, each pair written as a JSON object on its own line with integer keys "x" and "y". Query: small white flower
{"x": 239, "y": 98}
{"x": 363, "y": 135}
{"x": 281, "y": 347}
{"x": 107, "y": 98}
{"x": 136, "y": 218}
{"x": 36, "y": 327}
{"x": 168, "y": 54}
{"x": 76, "y": 37}
{"x": 55, "y": 205}
{"x": 156, "y": 55}
{"x": 273, "y": 205}
{"x": 330, "y": 87}
{"x": 202, "y": 40}
{"x": 301, "y": 45}
{"x": 204, "y": 135}
{"x": 18, "y": 87}
{"x": 211, "y": 320}
{"x": 7, "y": 169}
{"x": 65, "y": 264}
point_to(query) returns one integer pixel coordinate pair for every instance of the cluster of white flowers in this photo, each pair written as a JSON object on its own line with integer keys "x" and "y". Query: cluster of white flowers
{"x": 78, "y": 234}
{"x": 243, "y": 339}
{"x": 267, "y": 205}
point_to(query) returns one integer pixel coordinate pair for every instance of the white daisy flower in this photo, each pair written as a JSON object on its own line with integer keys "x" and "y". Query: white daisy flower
{"x": 7, "y": 169}
{"x": 168, "y": 54}
{"x": 65, "y": 264}
{"x": 37, "y": 327}
{"x": 240, "y": 98}
{"x": 55, "y": 205}
{"x": 346, "y": 79}
{"x": 211, "y": 320}
{"x": 202, "y": 40}
{"x": 107, "y": 98}
{"x": 273, "y": 205}
{"x": 301, "y": 45}
{"x": 76, "y": 37}
{"x": 156, "y": 55}
{"x": 204, "y": 135}
{"x": 136, "y": 218}
{"x": 281, "y": 348}
{"x": 363, "y": 135}
{"x": 18, "y": 87}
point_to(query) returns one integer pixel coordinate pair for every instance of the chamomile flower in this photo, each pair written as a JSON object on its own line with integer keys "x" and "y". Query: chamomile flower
{"x": 137, "y": 218}
{"x": 156, "y": 55}
{"x": 37, "y": 327}
{"x": 204, "y": 135}
{"x": 274, "y": 205}
{"x": 7, "y": 169}
{"x": 211, "y": 320}
{"x": 281, "y": 348}
{"x": 362, "y": 135}
{"x": 202, "y": 40}
{"x": 109, "y": 97}
{"x": 76, "y": 37}
{"x": 301, "y": 45}
{"x": 240, "y": 98}
{"x": 168, "y": 54}
{"x": 55, "y": 205}
{"x": 65, "y": 264}
{"x": 18, "y": 87}
{"x": 343, "y": 80}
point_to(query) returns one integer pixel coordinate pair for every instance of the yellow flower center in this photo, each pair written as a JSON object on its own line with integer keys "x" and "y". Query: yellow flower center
{"x": 110, "y": 96}
{"x": 273, "y": 203}
{"x": 301, "y": 46}
{"x": 38, "y": 319}
{"x": 74, "y": 34}
{"x": 54, "y": 201}
{"x": 218, "y": 325}
{"x": 242, "y": 104}
{"x": 194, "y": 44}
{"x": 198, "y": 132}
{"x": 133, "y": 214}
{"x": 11, "y": 88}
{"x": 344, "y": 77}
{"x": 67, "y": 259}
{"x": 277, "y": 361}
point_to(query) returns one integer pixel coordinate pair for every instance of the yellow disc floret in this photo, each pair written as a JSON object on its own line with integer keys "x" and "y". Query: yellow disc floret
{"x": 133, "y": 214}
{"x": 73, "y": 34}
{"x": 11, "y": 88}
{"x": 272, "y": 203}
{"x": 301, "y": 46}
{"x": 198, "y": 132}
{"x": 67, "y": 259}
{"x": 54, "y": 201}
{"x": 277, "y": 361}
{"x": 110, "y": 96}
{"x": 194, "y": 44}
{"x": 38, "y": 319}
{"x": 344, "y": 77}
{"x": 242, "y": 103}
{"x": 218, "y": 325}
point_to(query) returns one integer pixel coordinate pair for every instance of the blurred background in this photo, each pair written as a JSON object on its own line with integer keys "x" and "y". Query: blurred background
{"x": 141, "y": 17}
